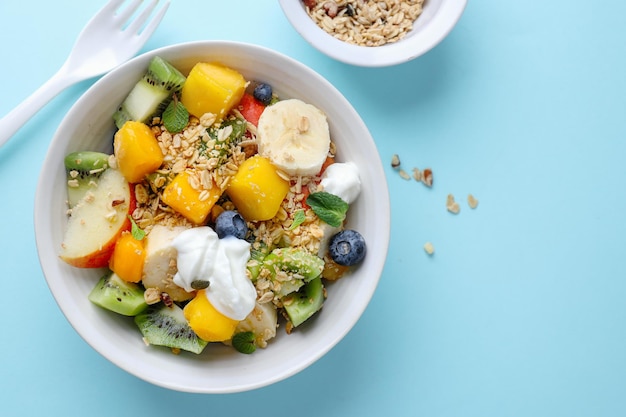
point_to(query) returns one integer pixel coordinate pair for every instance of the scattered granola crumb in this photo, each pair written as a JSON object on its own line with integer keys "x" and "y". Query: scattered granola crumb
{"x": 429, "y": 248}
{"x": 288, "y": 327}
{"x": 395, "y": 161}
{"x": 451, "y": 205}
{"x": 427, "y": 177}
{"x": 417, "y": 174}
{"x": 472, "y": 201}
{"x": 404, "y": 174}
{"x": 152, "y": 296}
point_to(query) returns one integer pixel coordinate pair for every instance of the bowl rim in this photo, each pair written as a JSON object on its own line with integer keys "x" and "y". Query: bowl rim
{"x": 405, "y": 50}
{"x": 47, "y": 250}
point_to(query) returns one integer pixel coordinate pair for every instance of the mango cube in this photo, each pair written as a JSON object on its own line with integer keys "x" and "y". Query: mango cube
{"x": 257, "y": 190}
{"x": 137, "y": 151}
{"x": 128, "y": 258}
{"x": 194, "y": 204}
{"x": 208, "y": 323}
{"x": 212, "y": 88}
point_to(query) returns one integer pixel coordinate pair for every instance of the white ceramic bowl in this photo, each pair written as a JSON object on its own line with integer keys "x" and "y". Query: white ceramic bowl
{"x": 88, "y": 126}
{"x": 430, "y": 28}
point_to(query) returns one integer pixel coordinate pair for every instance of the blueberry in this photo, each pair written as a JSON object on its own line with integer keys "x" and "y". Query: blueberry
{"x": 347, "y": 247}
{"x": 263, "y": 93}
{"x": 230, "y": 223}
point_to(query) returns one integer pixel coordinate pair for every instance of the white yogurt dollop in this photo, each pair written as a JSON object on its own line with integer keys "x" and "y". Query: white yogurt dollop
{"x": 222, "y": 262}
{"x": 342, "y": 179}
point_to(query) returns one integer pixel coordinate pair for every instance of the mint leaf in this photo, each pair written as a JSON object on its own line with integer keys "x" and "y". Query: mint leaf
{"x": 328, "y": 207}
{"x": 175, "y": 116}
{"x": 244, "y": 342}
{"x": 298, "y": 218}
{"x": 135, "y": 230}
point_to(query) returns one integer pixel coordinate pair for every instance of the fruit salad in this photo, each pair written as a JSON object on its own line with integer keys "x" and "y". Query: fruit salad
{"x": 219, "y": 217}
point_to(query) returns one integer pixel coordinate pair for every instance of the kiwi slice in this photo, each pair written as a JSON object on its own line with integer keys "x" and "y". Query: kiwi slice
{"x": 152, "y": 93}
{"x": 295, "y": 260}
{"x": 83, "y": 170}
{"x": 113, "y": 293}
{"x": 167, "y": 326}
{"x": 301, "y": 305}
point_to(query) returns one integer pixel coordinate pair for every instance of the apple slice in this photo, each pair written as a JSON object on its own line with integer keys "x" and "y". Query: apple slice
{"x": 97, "y": 220}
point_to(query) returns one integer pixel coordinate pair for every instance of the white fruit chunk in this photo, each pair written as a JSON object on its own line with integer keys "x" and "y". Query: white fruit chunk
{"x": 160, "y": 264}
{"x": 96, "y": 222}
{"x": 262, "y": 322}
{"x": 295, "y": 136}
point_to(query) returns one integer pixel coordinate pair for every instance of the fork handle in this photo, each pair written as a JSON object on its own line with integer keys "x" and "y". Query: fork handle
{"x": 17, "y": 117}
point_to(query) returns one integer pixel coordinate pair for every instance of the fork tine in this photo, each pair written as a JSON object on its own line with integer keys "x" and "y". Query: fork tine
{"x": 125, "y": 14}
{"x": 151, "y": 27}
{"x": 136, "y": 24}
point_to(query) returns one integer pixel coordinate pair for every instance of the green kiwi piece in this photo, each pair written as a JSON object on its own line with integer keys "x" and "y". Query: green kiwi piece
{"x": 295, "y": 260}
{"x": 83, "y": 170}
{"x": 152, "y": 93}
{"x": 301, "y": 305}
{"x": 113, "y": 293}
{"x": 167, "y": 326}
{"x": 258, "y": 252}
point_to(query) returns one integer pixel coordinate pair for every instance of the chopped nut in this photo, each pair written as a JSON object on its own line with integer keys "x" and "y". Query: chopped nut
{"x": 395, "y": 161}
{"x": 472, "y": 201}
{"x": 451, "y": 205}
{"x": 417, "y": 174}
{"x": 167, "y": 300}
{"x": 429, "y": 248}
{"x": 331, "y": 9}
{"x": 427, "y": 177}
{"x": 404, "y": 174}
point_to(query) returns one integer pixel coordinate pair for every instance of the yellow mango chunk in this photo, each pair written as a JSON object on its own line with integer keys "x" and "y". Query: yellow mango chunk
{"x": 194, "y": 204}
{"x": 128, "y": 258}
{"x": 212, "y": 88}
{"x": 257, "y": 190}
{"x": 208, "y": 323}
{"x": 137, "y": 151}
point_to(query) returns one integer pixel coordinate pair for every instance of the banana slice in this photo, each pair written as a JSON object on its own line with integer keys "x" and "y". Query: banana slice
{"x": 295, "y": 136}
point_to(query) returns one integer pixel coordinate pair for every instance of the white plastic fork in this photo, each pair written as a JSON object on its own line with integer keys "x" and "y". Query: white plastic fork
{"x": 108, "y": 40}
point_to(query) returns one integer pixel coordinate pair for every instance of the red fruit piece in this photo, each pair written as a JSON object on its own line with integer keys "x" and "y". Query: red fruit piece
{"x": 251, "y": 108}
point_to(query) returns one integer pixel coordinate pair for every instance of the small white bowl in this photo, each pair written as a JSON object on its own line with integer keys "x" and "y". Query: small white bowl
{"x": 430, "y": 28}
{"x": 89, "y": 126}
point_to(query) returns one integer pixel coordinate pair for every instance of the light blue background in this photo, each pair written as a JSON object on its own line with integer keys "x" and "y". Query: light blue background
{"x": 520, "y": 312}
